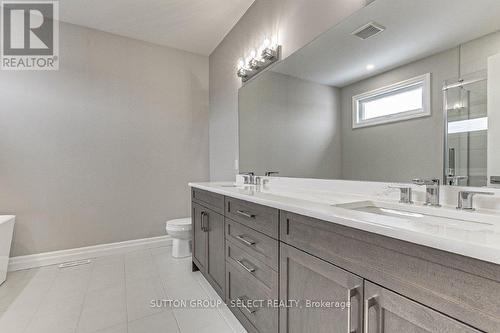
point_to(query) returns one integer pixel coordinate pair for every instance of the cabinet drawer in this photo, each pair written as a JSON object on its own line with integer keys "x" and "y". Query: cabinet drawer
{"x": 256, "y": 244}
{"x": 210, "y": 200}
{"x": 394, "y": 314}
{"x": 247, "y": 295}
{"x": 251, "y": 266}
{"x": 458, "y": 286}
{"x": 261, "y": 218}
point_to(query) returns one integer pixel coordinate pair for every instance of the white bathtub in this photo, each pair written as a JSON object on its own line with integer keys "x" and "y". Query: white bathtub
{"x": 6, "y": 231}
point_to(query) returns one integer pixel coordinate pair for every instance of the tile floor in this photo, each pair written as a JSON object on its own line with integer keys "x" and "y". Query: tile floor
{"x": 112, "y": 295}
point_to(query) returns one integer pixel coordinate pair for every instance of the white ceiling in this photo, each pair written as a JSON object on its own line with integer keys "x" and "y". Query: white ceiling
{"x": 415, "y": 29}
{"x": 193, "y": 25}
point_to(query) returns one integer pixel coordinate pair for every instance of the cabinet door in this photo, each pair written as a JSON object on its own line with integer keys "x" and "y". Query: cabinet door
{"x": 324, "y": 292}
{"x": 388, "y": 312}
{"x": 216, "y": 266}
{"x": 199, "y": 237}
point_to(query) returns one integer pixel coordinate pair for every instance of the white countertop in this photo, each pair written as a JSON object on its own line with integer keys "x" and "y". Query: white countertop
{"x": 476, "y": 240}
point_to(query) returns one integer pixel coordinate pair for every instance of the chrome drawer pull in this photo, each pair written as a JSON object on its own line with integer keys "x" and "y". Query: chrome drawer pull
{"x": 245, "y": 267}
{"x": 350, "y": 294}
{"x": 370, "y": 302}
{"x": 246, "y": 240}
{"x": 246, "y": 214}
{"x": 204, "y": 228}
{"x": 243, "y": 300}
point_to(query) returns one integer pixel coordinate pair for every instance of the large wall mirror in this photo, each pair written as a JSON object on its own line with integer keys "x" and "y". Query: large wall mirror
{"x": 402, "y": 89}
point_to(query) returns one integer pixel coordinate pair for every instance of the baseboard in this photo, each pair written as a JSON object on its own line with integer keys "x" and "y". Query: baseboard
{"x": 58, "y": 257}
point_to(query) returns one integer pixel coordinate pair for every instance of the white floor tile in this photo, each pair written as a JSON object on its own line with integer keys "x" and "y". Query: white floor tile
{"x": 112, "y": 259}
{"x": 106, "y": 275}
{"x": 103, "y": 309}
{"x": 140, "y": 293}
{"x": 57, "y": 317}
{"x": 196, "y": 320}
{"x": 71, "y": 281}
{"x": 121, "y": 328}
{"x": 139, "y": 265}
{"x": 134, "y": 255}
{"x": 159, "y": 323}
{"x": 111, "y": 295}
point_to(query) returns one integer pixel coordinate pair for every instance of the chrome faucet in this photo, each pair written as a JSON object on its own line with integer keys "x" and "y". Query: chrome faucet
{"x": 248, "y": 178}
{"x": 406, "y": 194}
{"x": 271, "y": 173}
{"x": 466, "y": 199}
{"x": 431, "y": 191}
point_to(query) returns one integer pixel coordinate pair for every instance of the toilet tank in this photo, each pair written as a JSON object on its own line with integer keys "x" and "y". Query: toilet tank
{"x": 6, "y": 232}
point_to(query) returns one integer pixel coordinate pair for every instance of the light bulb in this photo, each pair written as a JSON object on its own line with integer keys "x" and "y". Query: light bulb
{"x": 241, "y": 64}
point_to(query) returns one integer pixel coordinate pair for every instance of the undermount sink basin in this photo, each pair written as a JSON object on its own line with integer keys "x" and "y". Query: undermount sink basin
{"x": 422, "y": 214}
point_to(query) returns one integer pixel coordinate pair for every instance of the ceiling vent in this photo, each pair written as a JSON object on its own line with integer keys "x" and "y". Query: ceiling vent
{"x": 368, "y": 30}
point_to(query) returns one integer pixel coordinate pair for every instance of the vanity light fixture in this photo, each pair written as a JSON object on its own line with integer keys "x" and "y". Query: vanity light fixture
{"x": 258, "y": 61}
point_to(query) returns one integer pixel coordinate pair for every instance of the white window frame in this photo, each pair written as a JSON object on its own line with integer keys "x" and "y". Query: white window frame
{"x": 424, "y": 80}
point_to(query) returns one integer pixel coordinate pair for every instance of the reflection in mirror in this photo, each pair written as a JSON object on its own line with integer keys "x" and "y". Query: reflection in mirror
{"x": 384, "y": 108}
{"x": 466, "y": 137}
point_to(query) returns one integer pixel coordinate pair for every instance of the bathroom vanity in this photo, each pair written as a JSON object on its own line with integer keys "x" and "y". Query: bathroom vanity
{"x": 311, "y": 254}
{"x": 364, "y": 140}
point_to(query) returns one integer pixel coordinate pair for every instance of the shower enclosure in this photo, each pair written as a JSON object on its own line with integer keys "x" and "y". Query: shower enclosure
{"x": 466, "y": 126}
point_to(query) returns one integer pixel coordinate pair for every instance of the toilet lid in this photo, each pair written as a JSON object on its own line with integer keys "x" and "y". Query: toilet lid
{"x": 185, "y": 222}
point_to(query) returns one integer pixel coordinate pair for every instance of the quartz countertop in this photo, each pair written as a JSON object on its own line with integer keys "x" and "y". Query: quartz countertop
{"x": 476, "y": 240}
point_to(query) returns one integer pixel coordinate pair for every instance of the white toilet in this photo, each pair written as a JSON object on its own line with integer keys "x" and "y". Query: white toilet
{"x": 180, "y": 230}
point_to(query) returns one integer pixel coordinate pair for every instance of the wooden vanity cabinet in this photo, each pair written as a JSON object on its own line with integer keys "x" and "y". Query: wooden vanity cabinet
{"x": 459, "y": 287}
{"x": 251, "y": 252}
{"x": 208, "y": 245}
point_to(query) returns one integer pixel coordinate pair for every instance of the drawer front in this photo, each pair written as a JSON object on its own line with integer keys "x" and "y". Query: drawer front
{"x": 256, "y": 244}
{"x": 394, "y": 314}
{"x": 461, "y": 287}
{"x": 210, "y": 200}
{"x": 258, "y": 217}
{"x": 251, "y": 266}
{"x": 246, "y": 294}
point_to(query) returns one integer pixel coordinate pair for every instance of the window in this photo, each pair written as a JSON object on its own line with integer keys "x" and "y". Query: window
{"x": 401, "y": 101}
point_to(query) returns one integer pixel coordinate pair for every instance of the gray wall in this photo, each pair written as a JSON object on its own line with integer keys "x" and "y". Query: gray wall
{"x": 413, "y": 148}
{"x": 295, "y": 23}
{"x": 101, "y": 150}
{"x": 404, "y": 150}
{"x": 291, "y": 126}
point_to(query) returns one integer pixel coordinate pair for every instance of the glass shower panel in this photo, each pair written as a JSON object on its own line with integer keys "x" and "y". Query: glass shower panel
{"x": 467, "y": 126}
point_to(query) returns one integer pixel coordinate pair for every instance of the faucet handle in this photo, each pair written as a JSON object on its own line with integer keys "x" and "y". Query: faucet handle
{"x": 423, "y": 181}
{"x": 406, "y": 193}
{"x": 270, "y": 173}
{"x": 248, "y": 177}
{"x": 466, "y": 199}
